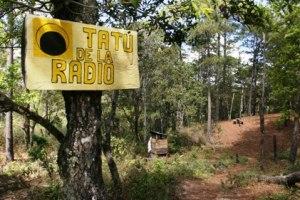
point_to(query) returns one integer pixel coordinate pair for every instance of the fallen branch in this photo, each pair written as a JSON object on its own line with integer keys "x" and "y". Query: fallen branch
{"x": 289, "y": 180}
{"x": 6, "y": 104}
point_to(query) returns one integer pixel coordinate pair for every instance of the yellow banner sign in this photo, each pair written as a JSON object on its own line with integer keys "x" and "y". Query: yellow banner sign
{"x": 64, "y": 55}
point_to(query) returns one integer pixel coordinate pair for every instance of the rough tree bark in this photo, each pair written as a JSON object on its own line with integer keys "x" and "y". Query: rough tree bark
{"x": 79, "y": 156}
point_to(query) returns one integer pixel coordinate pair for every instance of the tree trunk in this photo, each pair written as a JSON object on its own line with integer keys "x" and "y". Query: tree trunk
{"x": 262, "y": 115}
{"x": 136, "y": 113}
{"x": 9, "y": 140}
{"x": 252, "y": 91}
{"x": 231, "y": 106}
{"x": 79, "y": 156}
{"x": 26, "y": 129}
{"x": 208, "y": 113}
{"x": 288, "y": 180}
{"x": 217, "y": 114}
{"x": 145, "y": 110}
{"x": 118, "y": 191}
{"x": 241, "y": 104}
{"x": 294, "y": 145}
{"x": 8, "y": 130}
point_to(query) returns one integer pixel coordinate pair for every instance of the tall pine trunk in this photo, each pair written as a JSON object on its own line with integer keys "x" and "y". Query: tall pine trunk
{"x": 79, "y": 155}
{"x": 241, "y": 104}
{"x": 209, "y": 122}
{"x": 262, "y": 113}
{"x": 231, "y": 106}
{"x": 296, "y": 132}
{"x": 294, "y": 145}
{"x": 8, "y": 130}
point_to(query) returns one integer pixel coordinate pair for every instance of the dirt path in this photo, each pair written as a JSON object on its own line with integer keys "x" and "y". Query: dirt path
{"x": 243, "y": 140}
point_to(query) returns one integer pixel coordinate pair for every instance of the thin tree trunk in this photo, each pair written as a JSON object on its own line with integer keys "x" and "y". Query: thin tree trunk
{"x": 241, "y": 104}
{"x": 26, "y": 129}
{"x": 145, "y": 110}
{"x": 9, "y": 141}
{"x": 8, "y": 130}
{"x": 217, "y": 114}
{"x": 262, "y": 114}
{"x": 231, "y": 106}
{"x": 252, "y": 92}
{"x": 118, "y": 191}
{"x": 294, "y": 146}
{"x": 79, "y": 155}
{"x": 136, "y": 114}
{"x": 209, "y": 113}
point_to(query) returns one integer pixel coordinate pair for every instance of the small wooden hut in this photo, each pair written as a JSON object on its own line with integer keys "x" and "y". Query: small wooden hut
{"x": 158, "y": 144}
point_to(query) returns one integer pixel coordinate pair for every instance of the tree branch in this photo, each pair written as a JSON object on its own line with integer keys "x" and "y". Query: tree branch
{"x": 6, "y": 104}
{"x": 24, "y": 5}
{"x": 289, "y": 180}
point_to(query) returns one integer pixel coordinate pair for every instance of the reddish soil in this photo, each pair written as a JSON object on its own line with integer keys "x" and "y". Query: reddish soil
{"x": 243, "y": 140}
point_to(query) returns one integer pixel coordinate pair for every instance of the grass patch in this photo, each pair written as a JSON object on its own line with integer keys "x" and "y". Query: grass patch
{"x": 227, "y": 159}
{"x": 157, "y": 178}
{"x": 29, "y": 170}
{"x": 281, "y": 196}
{"x": 241, "y": 179}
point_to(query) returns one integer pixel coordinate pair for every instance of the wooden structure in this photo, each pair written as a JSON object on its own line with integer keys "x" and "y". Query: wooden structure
{"x": 158, "y": 143}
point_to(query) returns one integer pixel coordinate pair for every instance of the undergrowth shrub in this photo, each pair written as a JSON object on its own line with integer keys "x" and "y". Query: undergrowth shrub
{"x": 38, "y": 152}
{"x": 50, "y": 192}
{"x": 178, "y": 142}
{"x": 239, "y": 180}
{"x": 29, "y": 170}
{"x": 227, "y": 159}
{"x": 157, "y": 178}
{"x": 283, "y": 120}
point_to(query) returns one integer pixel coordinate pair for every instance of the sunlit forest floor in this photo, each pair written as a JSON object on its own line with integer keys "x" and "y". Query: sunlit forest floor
{"x": 227, "y": 170}
{"x": 237, "y": 181}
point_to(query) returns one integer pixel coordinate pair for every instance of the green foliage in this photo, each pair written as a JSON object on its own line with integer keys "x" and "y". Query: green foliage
{"x": 50, "y": 192}
{"x": 227, "y": 159}
{"x": 284, "y": 75}
{"x": 178, "y": 142}
{"x": 239, "y": 180}
{"x": 284, "y": 155}
{"x": 39, "y": 152}
{"x": 25, "y": 169}
{"x": 280, "y": 196}
{"x": 157, "y": 178}
{"x": 121, "y": 148}
{"x": 293, "y": 167}
{"x": 285, "y": 117}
